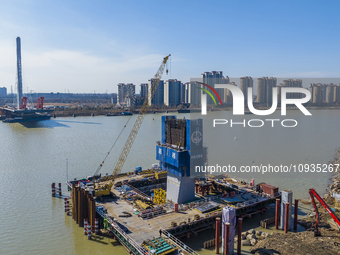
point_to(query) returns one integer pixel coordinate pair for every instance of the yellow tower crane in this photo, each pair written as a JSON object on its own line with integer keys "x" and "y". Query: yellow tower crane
{"x": 106, "y": 189}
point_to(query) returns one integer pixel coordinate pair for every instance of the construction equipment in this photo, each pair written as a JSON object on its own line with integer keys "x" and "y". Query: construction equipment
{"x": 40, "y": 104}
{"x": 159, "y": 175}
{"x": 313, "y": 194}
{"x": 23, "y": 103}
{"x": 106, "y": 189}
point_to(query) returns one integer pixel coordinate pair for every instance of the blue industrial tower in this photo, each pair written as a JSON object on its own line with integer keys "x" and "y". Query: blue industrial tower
{"x": 180, "y": 150}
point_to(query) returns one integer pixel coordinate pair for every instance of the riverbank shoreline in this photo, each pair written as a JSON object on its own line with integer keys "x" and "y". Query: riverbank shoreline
{"x": 61, "y": 111}
{"x": 305, "y": 242}
{"x": 335, "y": 185}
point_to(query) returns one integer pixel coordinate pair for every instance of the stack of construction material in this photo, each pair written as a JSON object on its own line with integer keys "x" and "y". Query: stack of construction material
{"x": 269, "y": 189}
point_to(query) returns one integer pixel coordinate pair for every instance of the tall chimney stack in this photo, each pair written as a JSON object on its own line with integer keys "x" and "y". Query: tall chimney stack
{"x": 19, "y": 73}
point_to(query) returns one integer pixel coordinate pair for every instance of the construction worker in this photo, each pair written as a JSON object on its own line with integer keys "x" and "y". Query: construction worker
{"x": 160, "y": 233}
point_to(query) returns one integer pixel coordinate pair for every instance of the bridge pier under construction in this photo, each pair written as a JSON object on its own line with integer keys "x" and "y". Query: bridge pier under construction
{"x": 167, "y": 200}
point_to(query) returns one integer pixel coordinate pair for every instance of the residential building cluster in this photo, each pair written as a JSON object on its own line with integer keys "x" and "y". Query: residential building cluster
{"x": 173, "y": 92}
{"x": 324, "y": 93}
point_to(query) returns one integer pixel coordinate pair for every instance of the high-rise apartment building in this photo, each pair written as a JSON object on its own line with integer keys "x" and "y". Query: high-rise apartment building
{"x": 330, "y": 93}
{"x": 337, "y": 93}
{"x": 324, "y": 93}
{"x": 126, "y": 94}
{"x": 212, "y": 78}
{"x": 317, "y": 94}
{"x": 295, "y": 84}
{"x": 143, "y": 92}
{"x": 183, "y": 98}
{"x": 158, "y": 98}
{"x": 193, "y": 93}
{"x": 172, "y": 92}
{"x": 228, "y": 98}
{"x": 225, "y": 80}
{"x": 310, "y": 88}
{"x": 245, "y": 83}
{"x": 261, "y": 91}
{"x": 3, "y": 91}
{"x": 265, "y": 90}
{"x": 279, "y": 93}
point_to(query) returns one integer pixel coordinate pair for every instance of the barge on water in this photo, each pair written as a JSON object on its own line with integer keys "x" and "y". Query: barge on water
{"x": 13, "y": 115}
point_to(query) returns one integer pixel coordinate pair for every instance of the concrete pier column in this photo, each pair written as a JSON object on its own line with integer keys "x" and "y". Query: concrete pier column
{"x": 73, "y": 203}
{"x": 81, "y": 208}
{"x": 86, "y": 205}
{"x": 239, "y": 235}
{"x": 217, "y": 235}
{"x": 226, "y": 239}
{"x": 296, "y": 209}
{"x": 89, "y": 209}
{"x": 277, "y": 213}
{"x": 286, "y": 216}
{"x": 53, "y": 189}
{"x": 59, "y": 185}
{"x": 93, "y": 216}
{"x": 286, "y": 197}
{"x": 76, "y": 198}
{"x": 89, "y": 204}
{"x": 65, "y": 204}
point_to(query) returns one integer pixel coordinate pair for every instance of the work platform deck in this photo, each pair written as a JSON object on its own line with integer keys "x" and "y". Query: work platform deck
{"x": 245, "y": 201}
{"x": 186, "y": 219}
{"x": 140, "y": 229}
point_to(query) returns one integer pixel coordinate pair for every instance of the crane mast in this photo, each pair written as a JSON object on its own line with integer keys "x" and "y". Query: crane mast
{"x": 139, "y": 120}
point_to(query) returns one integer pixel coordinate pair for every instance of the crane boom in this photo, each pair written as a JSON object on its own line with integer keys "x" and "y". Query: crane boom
{"x": 313, "y": 194}
{"x": 139, "y": 119}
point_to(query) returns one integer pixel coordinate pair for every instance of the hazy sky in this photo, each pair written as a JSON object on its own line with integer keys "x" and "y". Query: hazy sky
{"x": 87, "y": 46}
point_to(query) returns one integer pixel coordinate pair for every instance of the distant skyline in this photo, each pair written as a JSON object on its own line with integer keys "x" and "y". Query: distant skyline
{"x": 86, "y": 46}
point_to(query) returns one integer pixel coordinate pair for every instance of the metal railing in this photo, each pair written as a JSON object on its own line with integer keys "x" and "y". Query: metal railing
{"x": 138, "y": 247}
{"x": 180, "y": 244}
{"x": 139, "y": 192}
